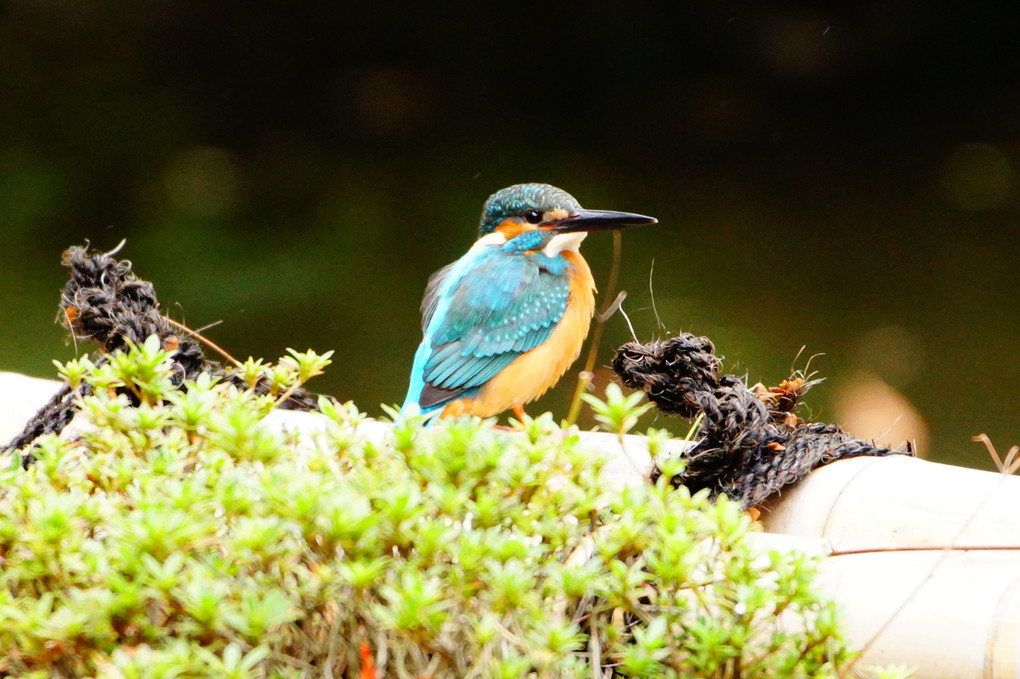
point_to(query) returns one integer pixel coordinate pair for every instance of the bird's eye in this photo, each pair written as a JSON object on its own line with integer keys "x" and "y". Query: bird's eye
{"x": 533, "y": 216}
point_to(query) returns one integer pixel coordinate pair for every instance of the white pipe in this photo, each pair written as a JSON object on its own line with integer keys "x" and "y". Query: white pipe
{"x": 946, "y": 613}
{"x": 898, "y": 501}
{"x": 20, "y": 397}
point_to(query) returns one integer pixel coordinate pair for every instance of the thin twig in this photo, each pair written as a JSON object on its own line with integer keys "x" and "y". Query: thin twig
{"x": 334, "y": 647}
{"x": 627, "y": 318}
{"x": 1007, "y": 466}
{"x": 291, "y": 660}
{"x": 651, "y": 293}
{"x": 613, "y": 308}
{"x": 209, "y": 325}
{"x": 916, "y": 548}
{"x": 596, "y": 649}
{"x": 69, "y": 319}
{"x": 200, "y": 338}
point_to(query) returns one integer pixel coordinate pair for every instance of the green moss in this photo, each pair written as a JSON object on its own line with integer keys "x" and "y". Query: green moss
{"x": 185, "y": 538}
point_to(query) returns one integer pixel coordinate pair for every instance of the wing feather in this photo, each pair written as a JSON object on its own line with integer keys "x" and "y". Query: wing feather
{"x": 476, "y": 324}
{"x": 431, "y": 298}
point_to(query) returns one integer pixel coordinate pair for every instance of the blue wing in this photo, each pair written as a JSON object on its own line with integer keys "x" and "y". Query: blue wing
{"x": 431, "y": 298}
{"x": 480, "y": 314}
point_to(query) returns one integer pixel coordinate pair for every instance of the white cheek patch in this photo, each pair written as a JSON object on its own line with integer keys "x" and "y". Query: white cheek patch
{"x": 563, "y": 242}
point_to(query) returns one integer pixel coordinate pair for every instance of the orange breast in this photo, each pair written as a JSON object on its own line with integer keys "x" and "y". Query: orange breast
{"x": 535, "y": 371}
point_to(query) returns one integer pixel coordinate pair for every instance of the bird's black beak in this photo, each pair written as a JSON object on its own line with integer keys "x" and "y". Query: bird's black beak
{"x": 600, "y": 220}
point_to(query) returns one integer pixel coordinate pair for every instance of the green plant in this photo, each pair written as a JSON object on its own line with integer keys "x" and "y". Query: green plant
{"x": 618, "y": 413}
{"x": 185, "y": 537}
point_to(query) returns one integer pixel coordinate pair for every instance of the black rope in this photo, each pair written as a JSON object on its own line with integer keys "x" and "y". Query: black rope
{"x": 750, "y": 445}
{"x": 105, "y": 303}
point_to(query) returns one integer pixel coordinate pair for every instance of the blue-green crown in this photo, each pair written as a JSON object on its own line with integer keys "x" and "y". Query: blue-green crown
{"x": 518, "y": 199}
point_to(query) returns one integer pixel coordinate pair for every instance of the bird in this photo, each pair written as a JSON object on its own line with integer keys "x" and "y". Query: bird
{"x": 502, "y": 324}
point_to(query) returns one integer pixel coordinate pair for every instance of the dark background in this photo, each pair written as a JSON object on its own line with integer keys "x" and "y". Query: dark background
{"x": 840, "y": 179}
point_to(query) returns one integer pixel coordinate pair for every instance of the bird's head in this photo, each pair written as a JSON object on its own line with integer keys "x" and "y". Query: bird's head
{"x": 540, "y": 207}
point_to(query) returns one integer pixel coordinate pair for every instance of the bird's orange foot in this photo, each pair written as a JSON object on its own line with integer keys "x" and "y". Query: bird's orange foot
{"x": 519, "y": 424}
{"x": 520, "y": 415}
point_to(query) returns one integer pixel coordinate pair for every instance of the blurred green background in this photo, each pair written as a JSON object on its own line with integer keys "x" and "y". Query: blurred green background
{"x": 840, "y": 179}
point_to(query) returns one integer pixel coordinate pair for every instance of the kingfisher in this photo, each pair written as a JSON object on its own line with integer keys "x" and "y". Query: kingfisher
{"x": 504, "y": 322}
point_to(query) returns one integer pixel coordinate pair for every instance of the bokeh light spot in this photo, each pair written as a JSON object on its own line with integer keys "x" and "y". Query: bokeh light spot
{"x": 867, "y": 407}
{"x": 797, "y": 44}
{"x": 976, "y": 177}
{"x": 892, "y": 352}
{"x": 389, "y": 101}
{"x": 202, "y": 181}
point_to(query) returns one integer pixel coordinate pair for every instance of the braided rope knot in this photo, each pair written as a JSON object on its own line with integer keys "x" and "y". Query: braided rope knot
{"x": 750, "y": 446}
{"x": 105, "y": 302}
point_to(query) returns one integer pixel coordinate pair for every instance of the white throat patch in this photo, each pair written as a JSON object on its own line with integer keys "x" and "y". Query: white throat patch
{"x": 562, "y": 242}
